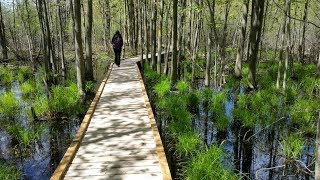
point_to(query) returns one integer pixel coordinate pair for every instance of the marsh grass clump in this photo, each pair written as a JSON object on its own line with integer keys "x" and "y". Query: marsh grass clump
{"x": 89, "y": 87}
{"x": 24, "y": 73}
{"x": 217, "y": 107}
{"x": 6, "y": 75}
{"x": 40, "y": 105}
{"x": 207, "y": 166}
{"x": 28, "y": 88}
{"x": 9, "y": 172}
{"x": 243, "y": 110}
{"x": 162, "y": 88}
{"x": 9, "y": 104}
{"x": 304, "y": 113}
{"x": 292, "y": 146}
{"x": 182, "y": 87}
{"x": 65, "y": 100}
{"x": 187, "y": 144}
{"x": 25, "y": 136}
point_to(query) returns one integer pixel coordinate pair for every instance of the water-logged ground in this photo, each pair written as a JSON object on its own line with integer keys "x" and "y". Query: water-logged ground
{"x": 265, "y": 161}
{"x": 39, "y": 159}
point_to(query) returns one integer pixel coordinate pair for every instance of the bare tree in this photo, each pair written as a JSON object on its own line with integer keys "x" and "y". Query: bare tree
{"x": 3, "y": 36}
{"x": 255, "y": 33}
{"x": 241, "y": 45}
{"x": 160, "y": 38}
{"x": 174, "y": 64}
{"x": 88, "y": 64}
{"x": 78, "y": 46}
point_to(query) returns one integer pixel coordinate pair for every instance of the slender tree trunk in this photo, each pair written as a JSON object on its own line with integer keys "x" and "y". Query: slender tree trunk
{"x": 146, "y": 29}
{"x": 61, "y": 40}
{"x": 208, "y": 64}
{"x": 255, "y": 33}
{"x": 160, "y": 38}
{"x": 241, "y": 45}
{"x": 223, "y": 43}
{"x": 154, "y": 35}
{"x": 195, "y": 44}
{"x": 317, "y": 165}
{"x": 166, "y": 59}
{"x": 301, "y": 47}
{"x": 174, "y": 63}
{"x": 288, "y": 5}
{"x": 88, "y": 64}
{"x": 318, "y": 66}
{"x": 3, "y": 36}
{"x": 78, "y": 46}
{"x": 141, "y": 32}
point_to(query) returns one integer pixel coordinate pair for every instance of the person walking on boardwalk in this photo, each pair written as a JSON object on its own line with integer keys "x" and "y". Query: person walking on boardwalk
{"x": 117, "y": 44}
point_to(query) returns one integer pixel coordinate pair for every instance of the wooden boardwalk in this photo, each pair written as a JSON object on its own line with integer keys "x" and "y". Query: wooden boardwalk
{"x": 121, "y": 140}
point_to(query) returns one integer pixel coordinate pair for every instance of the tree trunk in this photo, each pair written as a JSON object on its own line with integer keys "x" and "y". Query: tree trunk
{"x": 141, "y": 32}
{"x": 241, "y": 45}
{"x": 318, "y": 66}
{"x": 146, "y": 30}
{"x": 160, "y": 38}
{"x": 61, "y": 40}
{"x": 301, "y": 47}
{"x": 255, "y": 33}
{"x": 88, "y": 64}
{"x": 174, "y": 63}
{"x": 166, "y": 59}
{"x": 154, "y": 35}
{"x": 78, "y": 46}
{"x": 288, "y": 6}
{"x": 208, "y": 64}
{"x": 131, "y": 29}
{"x": 3, "y": 36}
{"x": 317, "y": 165}
{"x": 223, "y": 43}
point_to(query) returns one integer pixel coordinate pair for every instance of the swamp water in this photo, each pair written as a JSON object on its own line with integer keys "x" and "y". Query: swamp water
{"x": 38, "y": 159}
{"x": 257, "y": 155}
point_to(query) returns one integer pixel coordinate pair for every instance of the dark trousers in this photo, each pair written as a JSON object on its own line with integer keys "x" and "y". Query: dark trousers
{"x": 117, "y": 58}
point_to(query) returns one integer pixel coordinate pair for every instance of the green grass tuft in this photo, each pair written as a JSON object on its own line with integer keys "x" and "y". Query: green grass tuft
{"x": 292, "y": 146}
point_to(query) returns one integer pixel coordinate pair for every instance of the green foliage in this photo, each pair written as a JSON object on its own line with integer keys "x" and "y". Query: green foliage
{"x": 187, "y": 144}
{"x": 24, "y": 73}
{"x": 183, "y": 87}
{"x": 65, "y": 99}
{"x": 41, "y": 105}
{"x": 242, "y": 111}
{"x": 28, "y": 88}
{"x": 9, "y": 172}
{"x": 9, "y": 104}
{"x": 24, "y": 135}
{"x": 6, "y": 75}
{"x": 310, "y": 85}
{"x": 207, "y": 166}
{"x": 218, "y": 110}
{"x": 292, "y": 146}
{"x": 162, "y": 88}
{"x": 88, "y": 87}
{"x": 304, "y": 113}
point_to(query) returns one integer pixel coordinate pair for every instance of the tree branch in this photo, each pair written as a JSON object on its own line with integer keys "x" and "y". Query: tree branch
{"x": 294, "y": 18}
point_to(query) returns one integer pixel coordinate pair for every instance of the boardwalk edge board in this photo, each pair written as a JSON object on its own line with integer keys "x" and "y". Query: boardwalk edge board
{"x": 65, "y": 162}
{"x": 159, "y": 146}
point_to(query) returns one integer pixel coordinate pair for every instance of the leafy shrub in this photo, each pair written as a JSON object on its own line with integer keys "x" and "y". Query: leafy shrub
{"x": 182, "y": 87}
{"x": 41, "y": 105}
{"x": 162, "y": 88}
{"x": 24, "y": 73}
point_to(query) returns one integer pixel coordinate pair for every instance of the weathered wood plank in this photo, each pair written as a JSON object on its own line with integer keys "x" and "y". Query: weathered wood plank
{"x": 121, "y": 142}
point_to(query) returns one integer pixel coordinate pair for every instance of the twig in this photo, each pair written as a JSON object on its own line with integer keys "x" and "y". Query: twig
{"x": 262, "y": 169}
{"x": 262, "y": 129}
{"x": 295, "y": 17}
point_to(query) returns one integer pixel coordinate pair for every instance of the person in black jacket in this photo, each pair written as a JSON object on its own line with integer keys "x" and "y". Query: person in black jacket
{"x": 117, "y": 44}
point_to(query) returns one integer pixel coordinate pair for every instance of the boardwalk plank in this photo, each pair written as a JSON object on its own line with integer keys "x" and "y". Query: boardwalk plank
{"x": 119, "y": 142}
